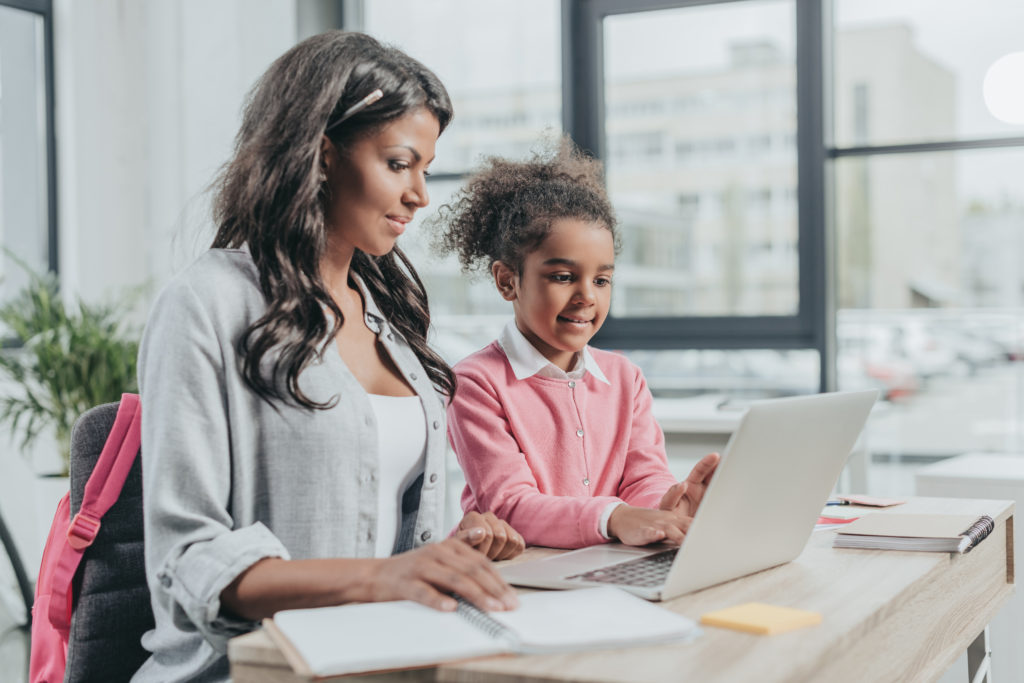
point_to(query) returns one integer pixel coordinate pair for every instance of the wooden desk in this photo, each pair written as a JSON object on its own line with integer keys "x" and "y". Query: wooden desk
{"x": 887, "y": 616}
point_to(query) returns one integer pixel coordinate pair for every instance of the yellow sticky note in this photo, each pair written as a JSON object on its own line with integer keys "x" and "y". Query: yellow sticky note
{"x": 756, "y": 617}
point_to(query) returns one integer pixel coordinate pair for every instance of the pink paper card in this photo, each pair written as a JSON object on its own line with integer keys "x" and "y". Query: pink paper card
{"x": 836, "y": 520}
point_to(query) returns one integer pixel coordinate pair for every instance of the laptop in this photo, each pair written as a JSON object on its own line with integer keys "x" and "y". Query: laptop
{"x": 773, "y": 480}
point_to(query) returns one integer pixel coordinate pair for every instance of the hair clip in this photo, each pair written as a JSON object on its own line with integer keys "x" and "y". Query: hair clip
{"x": 358, "y": 107}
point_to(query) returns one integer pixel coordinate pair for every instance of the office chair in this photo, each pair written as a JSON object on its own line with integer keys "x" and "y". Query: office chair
{"x": 112, "y": 608}
{"x": 24, "y": 584}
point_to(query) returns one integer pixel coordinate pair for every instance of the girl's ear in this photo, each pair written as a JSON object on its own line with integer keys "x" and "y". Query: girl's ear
{"x": 504, "y": 280}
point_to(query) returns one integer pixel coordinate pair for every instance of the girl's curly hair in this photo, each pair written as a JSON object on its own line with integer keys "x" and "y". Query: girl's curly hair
{"x": 506, "y": 209}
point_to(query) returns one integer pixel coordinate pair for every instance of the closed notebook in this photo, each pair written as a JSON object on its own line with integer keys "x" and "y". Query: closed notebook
{"x": 330, "y": 641}
{"x": 932, "y": 533}
{"x": 756, "y": 617}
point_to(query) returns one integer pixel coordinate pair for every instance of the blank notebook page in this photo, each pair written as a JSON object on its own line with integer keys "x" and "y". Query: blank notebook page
{"x": 593, "y": 617}
{"x": 381, "y": 635}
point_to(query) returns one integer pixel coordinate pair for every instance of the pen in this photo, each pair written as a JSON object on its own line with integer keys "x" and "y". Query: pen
{"x": 837, "y": 502}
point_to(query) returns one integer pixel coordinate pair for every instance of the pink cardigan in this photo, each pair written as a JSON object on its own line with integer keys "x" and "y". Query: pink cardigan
{"x": 526, "y": 446}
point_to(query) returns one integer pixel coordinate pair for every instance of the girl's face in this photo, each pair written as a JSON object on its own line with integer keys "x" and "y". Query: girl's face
{"x": 376, "y": 186}
{"x": 562, "y": 296}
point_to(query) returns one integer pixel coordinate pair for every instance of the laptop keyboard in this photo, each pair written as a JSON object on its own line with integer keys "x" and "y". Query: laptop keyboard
{"x": 648, "y": 571}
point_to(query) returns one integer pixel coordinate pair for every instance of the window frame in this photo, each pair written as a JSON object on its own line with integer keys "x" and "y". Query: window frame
{"x": 44, "y": 9}
{"x": 811, "y": 327}
{"x": 834, "y": 152}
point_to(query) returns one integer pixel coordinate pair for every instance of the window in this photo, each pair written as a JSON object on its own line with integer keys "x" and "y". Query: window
{"x": 723, "y": 230}
{"x": 711, "y": 120}
{"x": 506, "y": 99}
{"x": 928, "y": 218}
{"x": 27, "y": 195}
{"x": 733, "y": 57}
{"x": 911, "y": 72}
{"x": 721, "y": 208}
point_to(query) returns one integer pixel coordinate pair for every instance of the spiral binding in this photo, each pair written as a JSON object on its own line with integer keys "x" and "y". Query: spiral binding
{"x": 480, "y": 619}
{"x": 978, "y": 531}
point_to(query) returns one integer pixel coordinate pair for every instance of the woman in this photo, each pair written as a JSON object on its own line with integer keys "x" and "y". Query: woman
{"x": 293, "y": 429}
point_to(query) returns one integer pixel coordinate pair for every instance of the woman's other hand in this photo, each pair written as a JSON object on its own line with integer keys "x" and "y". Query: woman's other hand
{"x": 494, "y": 537}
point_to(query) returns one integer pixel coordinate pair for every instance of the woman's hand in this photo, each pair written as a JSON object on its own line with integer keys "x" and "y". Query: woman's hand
{"x": 430, "y": 574}
{"x": 490, "y": 535}
{"x": 684, "y": 498}
{"x": 641, "y": 526}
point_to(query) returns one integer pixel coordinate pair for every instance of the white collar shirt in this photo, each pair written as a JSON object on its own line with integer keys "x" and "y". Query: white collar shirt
{"x": 527, "y": 361}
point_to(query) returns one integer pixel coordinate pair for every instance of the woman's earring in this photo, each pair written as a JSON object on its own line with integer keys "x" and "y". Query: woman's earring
{"x": 323, "y": 175}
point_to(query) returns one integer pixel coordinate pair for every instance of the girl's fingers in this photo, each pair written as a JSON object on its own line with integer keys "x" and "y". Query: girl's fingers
{"x": 674, "y": 494}
{"x": 499, "y": 536}
{"x": 471, "y": 536}
{"x": 673, "y": 534}
{"x": 653, "y": 535}
{"x": 702, "y": 471}
{"x": 475, "y": 530}
{"x": 491, "y": 536}
{"x": 486, "y": 543}
{"x": 515, "y": 545}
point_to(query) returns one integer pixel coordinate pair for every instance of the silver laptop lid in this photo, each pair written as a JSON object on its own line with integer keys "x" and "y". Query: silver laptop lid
{"x": 774, "y": 478}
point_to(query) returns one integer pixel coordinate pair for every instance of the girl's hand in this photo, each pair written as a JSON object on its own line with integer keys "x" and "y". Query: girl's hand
{"x": 641, "y": 526}
{"x": 430, "y": 574}
{"x": 490, "y": 535}
{"x": 684, "y": 498}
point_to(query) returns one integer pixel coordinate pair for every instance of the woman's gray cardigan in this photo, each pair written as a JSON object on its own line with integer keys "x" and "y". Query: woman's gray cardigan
{"x": 229, "y": 479}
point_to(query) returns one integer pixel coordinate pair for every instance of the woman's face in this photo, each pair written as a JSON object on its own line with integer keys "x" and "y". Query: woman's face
{"x": 376, "y": 186}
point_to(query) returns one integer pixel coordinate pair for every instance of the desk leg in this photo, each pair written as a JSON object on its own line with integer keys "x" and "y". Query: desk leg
{"x": 979, "y": 659}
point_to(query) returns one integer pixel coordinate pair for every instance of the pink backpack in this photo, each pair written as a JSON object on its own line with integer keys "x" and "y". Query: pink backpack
{"x": 69, "y": 538}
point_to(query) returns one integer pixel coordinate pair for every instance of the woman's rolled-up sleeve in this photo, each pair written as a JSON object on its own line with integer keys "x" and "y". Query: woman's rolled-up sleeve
{"x": 194, "y": 548}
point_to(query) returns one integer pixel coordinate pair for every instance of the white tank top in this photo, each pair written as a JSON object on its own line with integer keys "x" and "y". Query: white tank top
{"x": 402, "y": 437}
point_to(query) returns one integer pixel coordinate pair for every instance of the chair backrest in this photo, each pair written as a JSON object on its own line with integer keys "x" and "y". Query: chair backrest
{"x": 111, "y": 605}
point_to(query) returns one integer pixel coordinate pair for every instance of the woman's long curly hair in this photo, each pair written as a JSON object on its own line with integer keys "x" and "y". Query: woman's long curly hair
{"x": 269, "y": 197}
{"x": 507, "y": 208}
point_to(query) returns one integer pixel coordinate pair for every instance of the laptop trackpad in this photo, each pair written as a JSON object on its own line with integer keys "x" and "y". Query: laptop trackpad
{"x": 575, "y": 562}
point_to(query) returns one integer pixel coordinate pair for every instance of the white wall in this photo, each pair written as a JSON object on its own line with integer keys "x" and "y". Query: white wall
{"x": 148, "y": 97}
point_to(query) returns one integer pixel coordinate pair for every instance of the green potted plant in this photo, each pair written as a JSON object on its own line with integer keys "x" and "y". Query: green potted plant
{"x": 62, "y": 360}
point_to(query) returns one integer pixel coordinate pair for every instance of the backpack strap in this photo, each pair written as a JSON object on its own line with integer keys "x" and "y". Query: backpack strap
{"x": 101, "y": 492}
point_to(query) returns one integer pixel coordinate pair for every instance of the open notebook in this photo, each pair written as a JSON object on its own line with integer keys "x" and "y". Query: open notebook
{"x": 382, "y": 636}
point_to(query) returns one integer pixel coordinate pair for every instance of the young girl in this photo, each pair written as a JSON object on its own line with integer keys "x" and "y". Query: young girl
{"x": 555, "y": 437}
